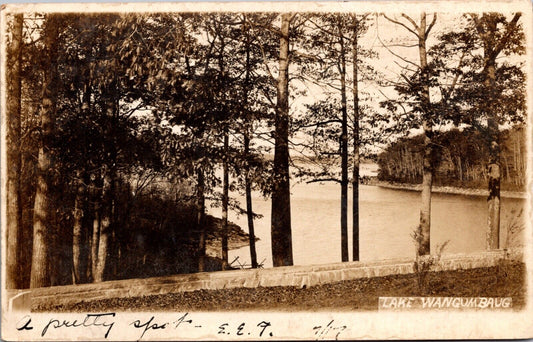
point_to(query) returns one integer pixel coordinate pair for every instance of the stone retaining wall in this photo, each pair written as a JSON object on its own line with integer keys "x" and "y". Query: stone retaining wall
{"x": 299, "y": 276}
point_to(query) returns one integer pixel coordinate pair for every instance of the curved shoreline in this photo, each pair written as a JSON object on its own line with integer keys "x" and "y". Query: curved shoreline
{"x": 447, "y": 189}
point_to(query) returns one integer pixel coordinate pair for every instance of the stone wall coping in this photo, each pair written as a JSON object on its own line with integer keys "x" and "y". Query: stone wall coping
{"x": 308, "y": 275}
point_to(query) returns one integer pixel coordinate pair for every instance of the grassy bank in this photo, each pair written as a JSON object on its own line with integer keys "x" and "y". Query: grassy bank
{"x": 505, "y": 280}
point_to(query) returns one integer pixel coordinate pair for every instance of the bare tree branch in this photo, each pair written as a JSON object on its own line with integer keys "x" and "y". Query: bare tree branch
{"x": 396, "y": 55}
{"x": 324, "y": 180}
{"x": 266, "y": 27}
{"x": 432, "y": 24}
{"x": 402, "y": 24}
{"x": 410, "y": 20}
{"x": 272, "y": 78}
{"x": 320, "y": 123}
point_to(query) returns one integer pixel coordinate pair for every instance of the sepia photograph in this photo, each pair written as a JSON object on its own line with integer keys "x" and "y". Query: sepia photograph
{"x": 256, "y": 170}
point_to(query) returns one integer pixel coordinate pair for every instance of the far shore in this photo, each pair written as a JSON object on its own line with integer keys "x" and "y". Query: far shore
{"x": 445, "y": 189}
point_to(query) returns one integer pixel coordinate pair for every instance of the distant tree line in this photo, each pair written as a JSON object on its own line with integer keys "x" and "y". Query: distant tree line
{"x": 460, "y": 159}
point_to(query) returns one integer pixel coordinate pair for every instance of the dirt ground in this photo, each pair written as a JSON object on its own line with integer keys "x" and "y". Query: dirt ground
{"x": 505, "y": 280}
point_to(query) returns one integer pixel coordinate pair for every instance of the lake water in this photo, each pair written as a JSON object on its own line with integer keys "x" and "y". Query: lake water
{"x": 387, "y": 219}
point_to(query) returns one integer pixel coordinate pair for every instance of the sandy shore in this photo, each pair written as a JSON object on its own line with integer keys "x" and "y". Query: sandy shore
{"x": 446, "y": 189}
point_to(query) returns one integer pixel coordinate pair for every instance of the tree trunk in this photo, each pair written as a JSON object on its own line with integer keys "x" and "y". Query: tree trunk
{"x": 494, "y": 170}
{"x": 281, "y": 201}
{"x": 42, "y": 210}
{"x": 225, "y": 180}
{"x": 344, "y": 154}
{"x": 427, "y": 174}
{"x": 79, "y": 236}
{"x": 460, "y": 168}
{"x": 95, "y": 238}
{"x": 247, "y": 134}
{"x": 114, "y": 242}
{"x": 200, "y": 207}
{"x": 355, "y": 175}
{"x": 105, "y": 228}
{"x": 87, "y": 222}
{"x": 249, "y": 211}
{"x": 493, "y": 43}
{"x": 14, "y": 158}
{"x": 427, "y": 180}
{"x": 77, "y": 232}
{"x": 225, "y": 200}
{"x": 109, "y": 183}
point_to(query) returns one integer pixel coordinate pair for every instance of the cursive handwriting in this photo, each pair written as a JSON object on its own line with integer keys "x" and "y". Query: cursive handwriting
{"x": 158, "y": 326}
{"x": 24, "y": 323}
{"x": 152, "y": 325}
{"x": 91, "y": 320}
{"x": 322, "y": 332}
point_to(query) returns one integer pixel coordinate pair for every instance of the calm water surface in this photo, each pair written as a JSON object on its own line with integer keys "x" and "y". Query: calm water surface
{"x": 387, "y": 219}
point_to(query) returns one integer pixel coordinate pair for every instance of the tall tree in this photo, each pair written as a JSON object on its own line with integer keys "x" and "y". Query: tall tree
{"x": 490, "y": 89}
{"x": 419, "y": 89}
{"x": 109, "y": 172}
{"x": 13, "y": 155}
{"x": 42, "y": 218}
{"x": 343, "y": 142}
{"x": 256, "y": 92}
{"x": 246, "y": 142}
{"x": 223, "y": 86}
{"x": 332, "y": 38}
{"x": 80, "y": 213}
{"x": 496, "y": 34}
{"x": 78, "y": 275}
{"x": 358, "y": 28}
{"x": 281, "y": 200}
{"x": 427, "y": 176}
{"x": 225, "y": 200}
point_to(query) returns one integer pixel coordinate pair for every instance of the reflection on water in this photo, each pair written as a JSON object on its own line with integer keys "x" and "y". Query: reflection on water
{"x": 387, "y": 219}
